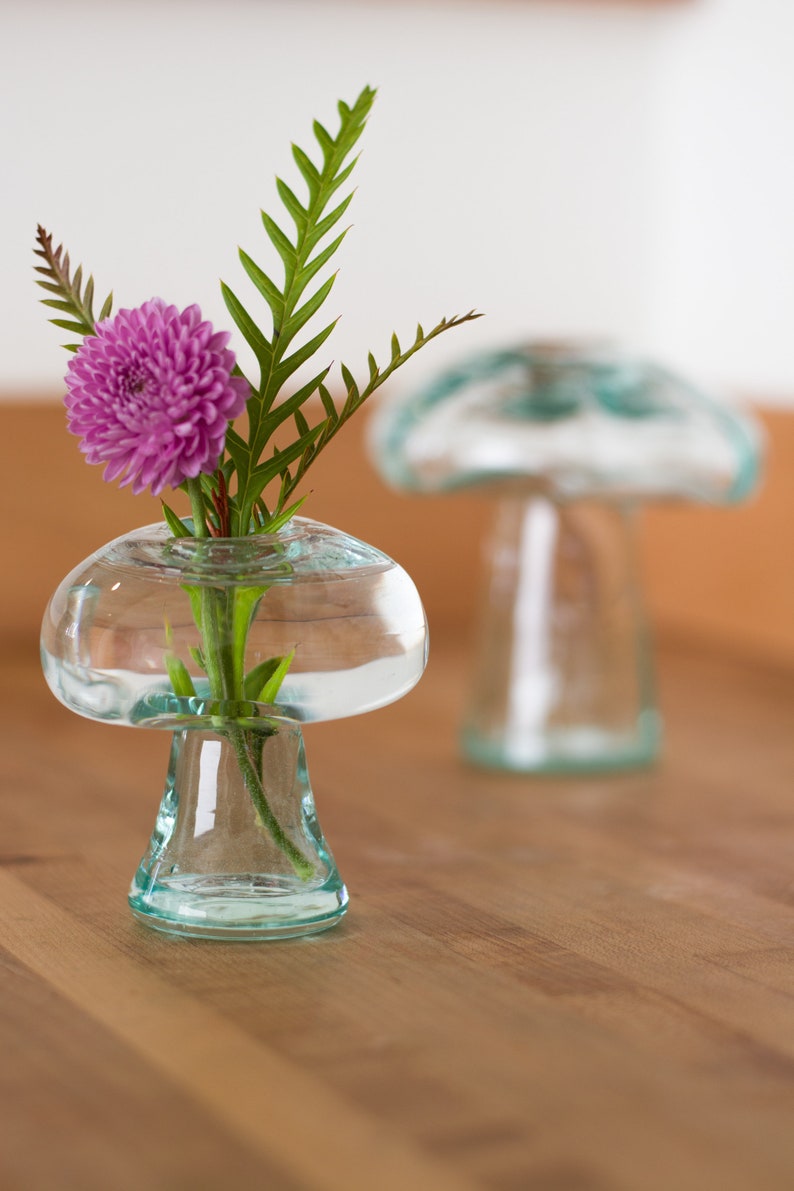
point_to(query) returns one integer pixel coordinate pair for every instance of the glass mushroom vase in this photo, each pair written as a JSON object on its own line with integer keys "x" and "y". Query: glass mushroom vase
{"x": 231, "y": 645}
{"x": 569, "y": 443}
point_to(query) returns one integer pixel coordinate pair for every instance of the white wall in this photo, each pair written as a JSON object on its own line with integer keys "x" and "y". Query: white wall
{"x": 722, "y": 287}
{"x": 541, "y": 161}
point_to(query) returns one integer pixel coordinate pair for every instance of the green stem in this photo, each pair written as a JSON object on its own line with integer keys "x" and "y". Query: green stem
{"x": 220, "y": 663}
{"x": 200, "y": 529}
{"x": 224, "y": 651}
{"x": 302, "y": 866}
{"x": 213, "y": 634}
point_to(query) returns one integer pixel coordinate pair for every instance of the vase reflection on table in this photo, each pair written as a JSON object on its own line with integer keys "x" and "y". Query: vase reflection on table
{"x": 334, "y": 625}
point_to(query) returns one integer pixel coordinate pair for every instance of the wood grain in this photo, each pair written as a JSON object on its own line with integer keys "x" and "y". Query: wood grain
{"x": 545, "y": 985}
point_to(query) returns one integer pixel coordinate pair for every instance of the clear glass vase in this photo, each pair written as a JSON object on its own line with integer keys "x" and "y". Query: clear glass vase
{"x": 570, "y": 440}
{"x": 232, "y": 644}
{"x": 236, "y": 859}
{"x": 563, "y": 670}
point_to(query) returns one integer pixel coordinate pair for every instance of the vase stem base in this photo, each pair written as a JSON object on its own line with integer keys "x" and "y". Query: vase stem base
{"x": 244, "y": 909}
{"x": 565, "y": 751}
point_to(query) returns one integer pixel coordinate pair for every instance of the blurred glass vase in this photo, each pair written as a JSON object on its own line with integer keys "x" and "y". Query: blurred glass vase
{"x": 570, "y": 442}
{"x": 231, "y": 645}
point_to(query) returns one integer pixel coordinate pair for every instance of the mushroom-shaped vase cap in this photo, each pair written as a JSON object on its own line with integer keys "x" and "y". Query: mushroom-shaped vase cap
{"x": 571, "y": 424}
{"x": 352, "y": 616}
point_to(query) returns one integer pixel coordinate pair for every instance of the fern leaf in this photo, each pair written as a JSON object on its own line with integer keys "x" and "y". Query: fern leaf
{"x": 309, "y": 308}
{"x": 325, "y": 225}
{"x": 324, "y": 139}
{"x": 282, "y": 244}
{"x": 341, "y": 178}
{"x": 263, "y": 473}
{"x": 329, "y": 404}
{"x": 313, "y": 266}
{"x": 288, "y": 407}
{"x": 250, "y": 331}
{"x": 349, "y": 379}
{"x": 315, "y": 218}
{"x": 69, "y": 325}
{"x": 309, "y": 171}
{"x": 72, "y": 299}
{"x": 267, "y": 288}
{"x": 356, "y": 397}
{"x": 279, "y": 520}
{"x": 293, "y": 205}
{"x": 293, "y": 362}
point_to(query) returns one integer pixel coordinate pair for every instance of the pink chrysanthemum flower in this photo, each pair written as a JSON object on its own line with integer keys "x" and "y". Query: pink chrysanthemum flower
{"x": 151, "y": 395}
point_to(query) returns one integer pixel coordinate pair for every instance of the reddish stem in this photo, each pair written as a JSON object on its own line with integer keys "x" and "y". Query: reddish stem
{"x": 220, "y": 499}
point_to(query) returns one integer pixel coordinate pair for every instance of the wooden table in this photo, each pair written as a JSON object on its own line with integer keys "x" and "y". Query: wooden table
{"x": 541, "y": 985}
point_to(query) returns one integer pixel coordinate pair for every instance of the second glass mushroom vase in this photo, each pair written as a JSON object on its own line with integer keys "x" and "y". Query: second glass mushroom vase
{"x": 563, "y": 673}
{"x": 569, "y": 440}
{"x": 231, "y": 645}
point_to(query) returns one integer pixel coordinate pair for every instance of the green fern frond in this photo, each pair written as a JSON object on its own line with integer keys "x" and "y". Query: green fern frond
{"x": 355, "y": 397}
{"x": 302, "y": 258}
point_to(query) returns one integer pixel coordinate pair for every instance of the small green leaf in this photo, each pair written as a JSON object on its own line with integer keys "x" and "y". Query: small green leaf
{"x": 57, "y": 304}
{"x": 341, "y": 178}
{"x": 296, "y": 209}
{"x": 325, "y": 225}
{"x": 328, "y": 402}
{"x": 194, "y": 594}
{"x": 308, "y": 169}
{"x": 197, "y": 656}
{"x": 253, "y": 336}
{"x": 286, "y": 408}
{"x": 246, "y": 600}
{"x": 179, "y": 676}
{"x": 274, "y": 524}
{"x": 69, "y": 326}
{"x": 256, "y": 678}
{"x": 350, "y": 382}
{"x": 309, "y": 308}
{"x": 293, "y": 362}
{"x": 282, "y": 244}
{"x": 175, "y": 524}
{"x": 263, "y": 473}
{"x": 270, "y": 689}
{"x": 267, "y": 288}
{"x": 324, "y": 139}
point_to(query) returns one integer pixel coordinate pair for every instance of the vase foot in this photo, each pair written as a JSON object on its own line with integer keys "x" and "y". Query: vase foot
{"x": 565, "y": 751}
{"x": 239, "y": 907}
